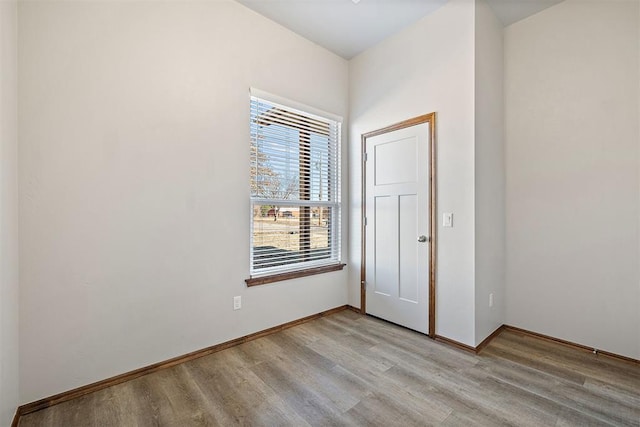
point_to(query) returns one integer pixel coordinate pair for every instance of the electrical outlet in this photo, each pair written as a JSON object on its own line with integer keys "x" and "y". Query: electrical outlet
{"x": 490, "y": 300}
{"x": 237, "y": 303}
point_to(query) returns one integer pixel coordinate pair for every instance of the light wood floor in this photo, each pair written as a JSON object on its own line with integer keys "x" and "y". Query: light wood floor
{"x": 347, "y": 369}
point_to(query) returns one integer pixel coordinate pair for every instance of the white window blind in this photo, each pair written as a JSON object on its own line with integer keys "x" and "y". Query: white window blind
{"x": 295, "y": 188}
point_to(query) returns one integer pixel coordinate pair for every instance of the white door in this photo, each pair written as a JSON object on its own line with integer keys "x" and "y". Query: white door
{"x": 397, "y": 226}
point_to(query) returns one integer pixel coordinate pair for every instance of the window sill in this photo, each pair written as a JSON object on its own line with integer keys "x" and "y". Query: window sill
{"x": 263, "y": 280}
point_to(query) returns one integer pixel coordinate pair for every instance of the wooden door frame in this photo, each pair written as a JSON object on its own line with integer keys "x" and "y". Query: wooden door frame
{"x": 427, "y": 118}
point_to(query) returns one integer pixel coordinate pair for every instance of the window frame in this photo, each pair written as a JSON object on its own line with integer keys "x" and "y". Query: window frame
{"x": 304, "y": 201}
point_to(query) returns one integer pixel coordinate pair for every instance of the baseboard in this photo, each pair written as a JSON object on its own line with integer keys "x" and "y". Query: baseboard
{"x": 355, "y": 309}
{"x": 490, "y": 338}
{"x": 503, "y": 328}
{"x": 573, "y": 345}
{"x": 455, "y": 343}
{"x": 477, "y": 349}
{"x": 119, "y": 379}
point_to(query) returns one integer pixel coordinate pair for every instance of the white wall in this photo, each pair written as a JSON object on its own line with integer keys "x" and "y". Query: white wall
{"x": 572, "y": 137}
{"x": 489, "y": 172}
{"x": 134, "y": 149}
{"x": 8, "y": 213}
{"x": 426, "y": 67}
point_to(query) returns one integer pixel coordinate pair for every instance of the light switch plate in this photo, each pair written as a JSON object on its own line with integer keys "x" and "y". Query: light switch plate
{"x": 447, "y": 219}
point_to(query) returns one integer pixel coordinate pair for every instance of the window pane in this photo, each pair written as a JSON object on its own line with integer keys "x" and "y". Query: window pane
{"x": 275, "y": 163}
{"x": 281, "y": 235}
{"x": 319, "y": 168}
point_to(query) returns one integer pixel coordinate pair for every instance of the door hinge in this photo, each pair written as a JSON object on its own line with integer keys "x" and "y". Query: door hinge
{"x": 366, "y": 156}
{"x": 365, "y": 221}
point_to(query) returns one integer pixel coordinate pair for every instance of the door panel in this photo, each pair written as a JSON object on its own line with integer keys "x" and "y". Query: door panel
{"x": 391, "y": 154}
{"x": 385, "y": 237}
{"x": 408, "y": 267}
{"x": 397, "y": 212}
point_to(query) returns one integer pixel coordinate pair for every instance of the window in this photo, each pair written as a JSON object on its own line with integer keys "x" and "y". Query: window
{"x": 295, "y": 190}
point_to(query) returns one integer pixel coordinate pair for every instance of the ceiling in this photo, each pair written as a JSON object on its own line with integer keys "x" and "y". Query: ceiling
{"x": 347, "y": 27}
{"x": 510, "y": 11}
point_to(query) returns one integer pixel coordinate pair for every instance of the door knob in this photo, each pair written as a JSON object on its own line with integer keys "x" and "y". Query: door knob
{"x": 423, "y": 239}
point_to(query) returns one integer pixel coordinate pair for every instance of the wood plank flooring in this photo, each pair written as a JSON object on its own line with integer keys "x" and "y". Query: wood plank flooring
{"x": 348, "y": 369}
